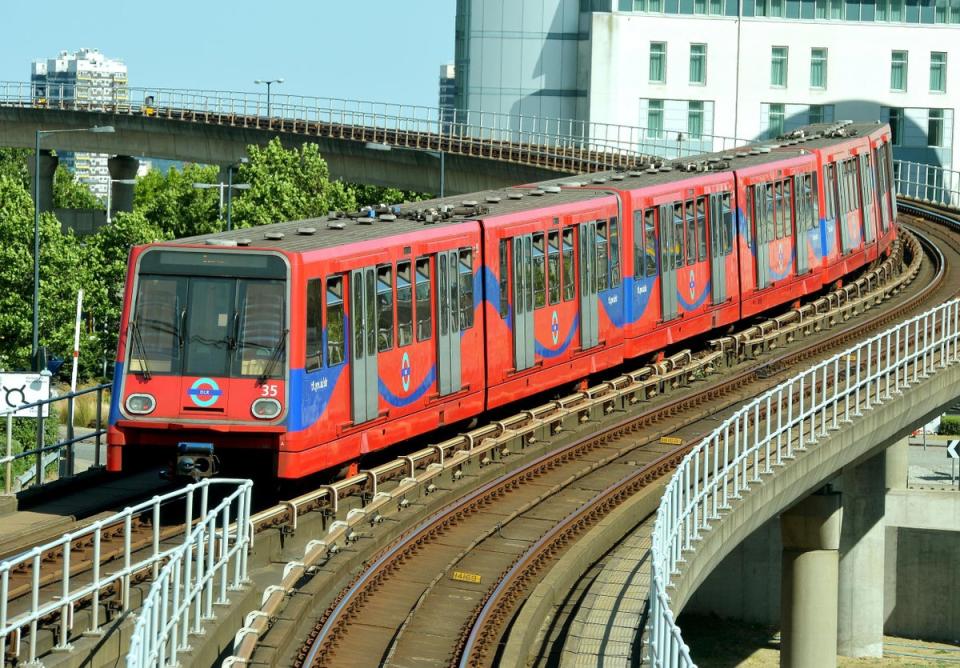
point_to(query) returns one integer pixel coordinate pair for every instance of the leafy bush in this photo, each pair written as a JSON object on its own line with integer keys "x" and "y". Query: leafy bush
{"x": 24, "y": 437}
{"x": 949, "y": 425}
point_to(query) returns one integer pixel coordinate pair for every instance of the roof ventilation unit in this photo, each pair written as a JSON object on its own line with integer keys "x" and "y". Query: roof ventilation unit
{"x": 273, "y": 236}
{"x": 536, "y": 193}
{"x": 245, "y": 241}
{"x": 306, "y": 231}
{"x": 493, "y": 199}
{"x": 552, "y": 189}
{"x": 515, "y": 195}
{"x": 221, "y": 242}
{"x": 335, "y": 225}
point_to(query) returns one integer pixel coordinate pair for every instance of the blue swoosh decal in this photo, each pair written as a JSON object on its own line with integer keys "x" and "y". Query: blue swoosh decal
{"x": 640, "y": 289}
{"x": 115, "y": 394}
{"x": 699, "y": 300}
{"x": 548, "y": 353}
{"x": 418, "y": 392}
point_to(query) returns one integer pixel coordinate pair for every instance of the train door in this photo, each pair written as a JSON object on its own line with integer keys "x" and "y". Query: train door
{"x": 801, "y": 209}
{"x": 718, "y": 268}
{"x": 763, "y": 219}
{"x": 523, "y": 332}
{"x": 883, "y": 193}
{"x": 671, "y": 234}
{"x": 448, "y": 313}
{"x": 589, "y": 300}
{"x": 363, "y": 358}
{"x": 866, "y": 189}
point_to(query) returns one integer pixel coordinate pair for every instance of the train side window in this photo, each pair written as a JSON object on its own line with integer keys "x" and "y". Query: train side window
{"x": 539, "y": 272}
{"x": 650, "y": 242}
{"x": 614, "y": 253}
{"x": 813, "y": 213}
{"x": 466, "y": 289}
{"x": 829, "y": 193}
{"x": 314, "y": 331}
{"x": 769, "y": 216}
{"x": 603, "y": 268}
{"x": 384, "y": 308}
{"x": 728, "y": 231}
{"x": 749, "y": 209}
{"x": 404, "y": 305}
{"x": 638, "y": 244}
{"x": 691, "y": 239}
{"x": 677, "y": 242}
{"x": 553, "y": 266}
{"x": 702, "y": 228}
{"x": 569, "y": 288}
{"x": 424, "y": 290}
{"x": 504, "y": 288}
{"x": 335, "y": 341}
{"x": 788, "y": 208}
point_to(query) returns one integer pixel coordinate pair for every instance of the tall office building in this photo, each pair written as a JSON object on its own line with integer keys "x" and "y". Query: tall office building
{"x": 88, "y": 78}
{"x": 447, "y": 101}
{"x": 737, "y": 68}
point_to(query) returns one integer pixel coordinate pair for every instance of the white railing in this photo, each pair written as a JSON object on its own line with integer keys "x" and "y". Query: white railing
{"x": 143, "y": 546}
{"x": 195, "y": 577}
{"x": 769, "y": 430}
{"x": 928, "y": 183}
{"x": 555, "y": 134}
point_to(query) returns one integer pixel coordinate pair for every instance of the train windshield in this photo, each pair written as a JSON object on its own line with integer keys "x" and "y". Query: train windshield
{"x": 209, "y": 326}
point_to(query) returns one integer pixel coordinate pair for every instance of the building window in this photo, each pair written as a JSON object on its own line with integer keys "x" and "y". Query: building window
{"x": 815, "y": 114}
{"x": 818, "y": 68}
{"x": 655, "y": 119}
{"x": 716, "y": 7}
{"x": 898, "y": 71}
{"x": 895, "y": 119}
{"x": 778, "y": 66}
{"x": 777, "y": 115}
{"x": 821, "y": 9}
{"x": 658, "y": 62}
{"x": 699, "y": 6}
{"x": 938, "y": 72}
{"x": 935, "y": 128}
{"x": 698, "y": 64}
{"x": 695, "y": 119}
{"x": 836, "y": 9}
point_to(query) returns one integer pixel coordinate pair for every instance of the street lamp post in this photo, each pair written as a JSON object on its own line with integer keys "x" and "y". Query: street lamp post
{"x": 434, "y": 154}
{"x": 268, "y": 82}
{"x": 230, "y": 187}
{"x": 224, "y": 188}
{"x": 35, "y": 348}
{"x": 128, "y": 182}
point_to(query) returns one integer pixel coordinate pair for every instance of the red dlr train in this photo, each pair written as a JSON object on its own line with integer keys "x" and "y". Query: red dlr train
{"x": 301, "y": 346}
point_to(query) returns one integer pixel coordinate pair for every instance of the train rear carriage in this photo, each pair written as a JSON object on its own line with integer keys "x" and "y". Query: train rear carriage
{"x": 553, "y": 283}
{"x": 299, "y": 346}
{"x": 786, "y": 252}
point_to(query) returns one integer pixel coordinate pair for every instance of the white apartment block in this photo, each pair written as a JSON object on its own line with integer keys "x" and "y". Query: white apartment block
{"x": 86, "y": 77}
{"x": 685, "y": 69}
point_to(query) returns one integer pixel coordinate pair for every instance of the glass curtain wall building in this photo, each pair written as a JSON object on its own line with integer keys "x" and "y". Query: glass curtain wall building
{"x": 689, "y": 69}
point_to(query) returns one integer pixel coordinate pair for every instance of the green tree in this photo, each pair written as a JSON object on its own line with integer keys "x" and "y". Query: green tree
{"x": 170, "y": 203}
{"x": 69, "y": 193}
{"x": 366, "y": 195}
{"x": 287, "y": 185}
{"x": 14, "y": 165}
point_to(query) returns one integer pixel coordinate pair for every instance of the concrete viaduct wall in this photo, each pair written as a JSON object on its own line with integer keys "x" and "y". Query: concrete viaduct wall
{"x": 221, "y": 145}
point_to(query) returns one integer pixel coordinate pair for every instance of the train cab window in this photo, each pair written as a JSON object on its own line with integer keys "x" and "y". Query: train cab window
{"x": 650, "y": 242}
{"x": 335, "y": 341}
{"x": 384, "y": 308}
{"x": 614, "y": 254}
{"x": 539, "y": 272}
{"x": 314, "y": 331}
{"x": 691, "y": 232}
{"x": 553, "y": 266}
{"x": 156, "y": 327}
{"x": 677, "y": 250}
{"x": 504, "y": 290}
{"x": 466, "y": 288}
{"x": 701, "y": 229}
{"x": 603, "y": 268}
{"x": 404, "y": 305}
{"x": 424, "y": 290}
{"x": 728, "y": 231}
{"x": 569, "y": 288}
{"x": 260, "y": 341}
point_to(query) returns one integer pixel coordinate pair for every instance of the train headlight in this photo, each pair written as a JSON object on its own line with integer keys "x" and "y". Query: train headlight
{"x": 265, "y": 409}
{"x": 141, "y": 404}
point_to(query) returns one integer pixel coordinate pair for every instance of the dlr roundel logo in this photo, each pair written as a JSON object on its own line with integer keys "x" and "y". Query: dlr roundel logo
{"x": 204, "y": 392}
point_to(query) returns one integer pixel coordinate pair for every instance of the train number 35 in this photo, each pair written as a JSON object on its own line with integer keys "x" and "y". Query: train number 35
{"x": 268, "y": 391}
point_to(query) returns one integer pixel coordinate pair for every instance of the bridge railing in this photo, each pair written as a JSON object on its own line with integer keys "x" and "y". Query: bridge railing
{"x": 198, "y": 563}
{"x": 768, "y": 431}
{"x": 560, "y": 135}
{"x": 928, "y": 183}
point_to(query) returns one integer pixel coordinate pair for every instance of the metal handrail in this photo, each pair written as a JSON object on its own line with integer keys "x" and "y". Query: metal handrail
{"x": 405, "y": 124}
{"x": 745, "y": 447}
{"x": 201, "y": 568}
{"x": 927, "y": 183}
{"x": 182, "y": 596}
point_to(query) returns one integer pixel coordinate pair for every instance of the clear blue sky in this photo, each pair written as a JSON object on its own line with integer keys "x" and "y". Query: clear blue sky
{"x": 383, "y": 50}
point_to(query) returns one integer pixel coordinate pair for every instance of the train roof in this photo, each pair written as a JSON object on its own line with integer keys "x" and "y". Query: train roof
{"x": 383, "y": 221}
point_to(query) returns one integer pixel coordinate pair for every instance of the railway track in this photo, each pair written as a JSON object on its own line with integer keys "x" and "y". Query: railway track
{"x": 390, "y": 614}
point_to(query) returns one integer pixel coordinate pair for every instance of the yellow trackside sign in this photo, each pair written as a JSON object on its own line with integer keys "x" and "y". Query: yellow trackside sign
{"x": 671, "y": 440}
{"x": 463, "y": 576}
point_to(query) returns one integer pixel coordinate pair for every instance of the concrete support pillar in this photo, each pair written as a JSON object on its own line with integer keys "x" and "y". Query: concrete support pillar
{"x": 860, "y": 614}
{"x": 121, "y": 194}
{"x": 808, "y": 615}
{"x": 48, "y": 167}
{"x": 897, "y": 469}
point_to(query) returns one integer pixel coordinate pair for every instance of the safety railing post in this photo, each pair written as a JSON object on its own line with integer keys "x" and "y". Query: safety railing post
{"x": 8, "y": 465}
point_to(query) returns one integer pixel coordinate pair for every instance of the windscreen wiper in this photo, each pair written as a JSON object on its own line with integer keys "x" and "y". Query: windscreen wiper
{"x": 274, "y": 358}
{"x": 138, "y": 346}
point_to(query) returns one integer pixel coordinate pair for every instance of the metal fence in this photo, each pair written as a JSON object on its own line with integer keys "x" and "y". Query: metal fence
{"x": 552, "y": 134}
{"x": 196, "y": 567}
{"x": 927, "y": 183}
{"x": 768, "y": 431}
{"x": 211, "y": 560}
{"x": 63, "y": 450}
